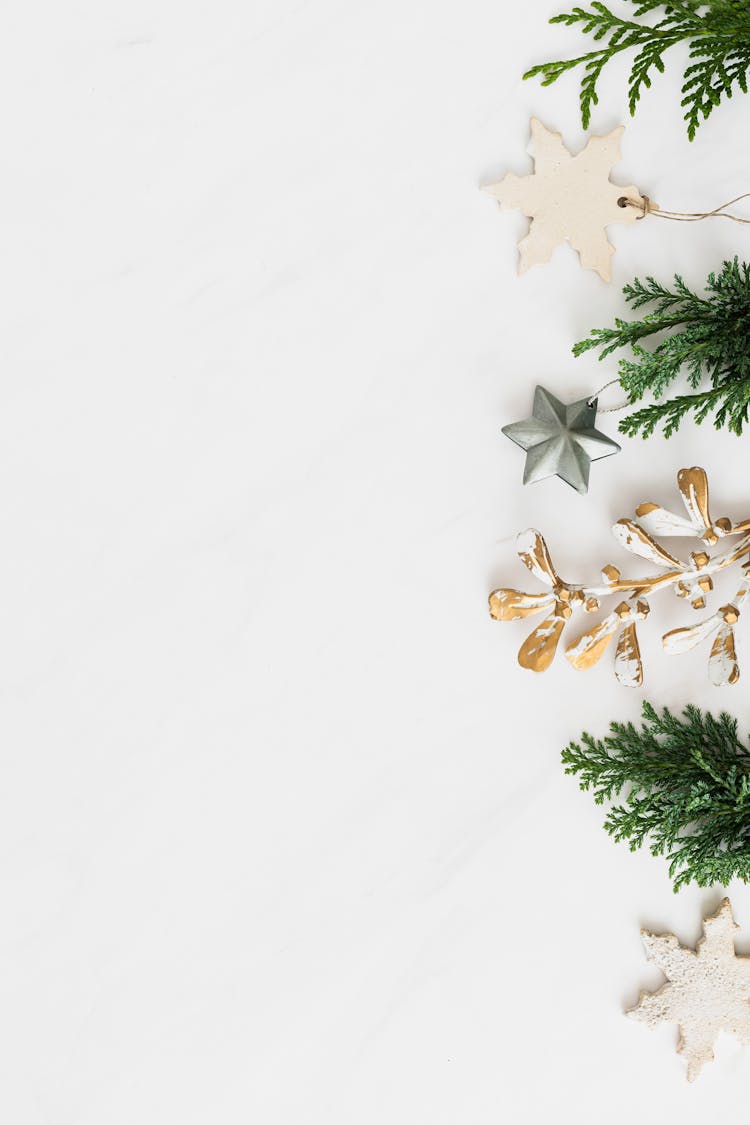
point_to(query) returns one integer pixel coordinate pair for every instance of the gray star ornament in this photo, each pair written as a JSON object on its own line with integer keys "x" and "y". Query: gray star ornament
{"x": 560, "y": 440}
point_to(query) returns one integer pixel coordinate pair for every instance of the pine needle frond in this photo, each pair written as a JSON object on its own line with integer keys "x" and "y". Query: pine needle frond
{"x": 706, "y": 339}
{"x": 685, "y": 787}
{"x": 717, "y": 33}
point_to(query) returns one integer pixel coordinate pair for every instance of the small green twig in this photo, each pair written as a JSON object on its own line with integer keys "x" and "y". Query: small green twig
{"x": 717, "y": 33}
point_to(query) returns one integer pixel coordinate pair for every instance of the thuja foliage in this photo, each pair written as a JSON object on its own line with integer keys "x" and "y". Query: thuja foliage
{"x": 686, "y": 787}
{"x": 707, "y": 340}
{"x": 717, "y": 33}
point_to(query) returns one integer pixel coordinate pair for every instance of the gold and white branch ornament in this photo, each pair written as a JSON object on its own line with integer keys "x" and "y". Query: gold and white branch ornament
{"x": 571, "y": 198}
{"x": 725, "y": 545}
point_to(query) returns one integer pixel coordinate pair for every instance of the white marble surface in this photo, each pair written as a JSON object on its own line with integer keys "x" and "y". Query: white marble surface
{"x": 283, "y": 831}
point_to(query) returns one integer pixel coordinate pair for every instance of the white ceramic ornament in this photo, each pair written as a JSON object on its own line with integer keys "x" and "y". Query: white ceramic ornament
{"x": 570, "y": 199}
{"x": 707, "y": 990}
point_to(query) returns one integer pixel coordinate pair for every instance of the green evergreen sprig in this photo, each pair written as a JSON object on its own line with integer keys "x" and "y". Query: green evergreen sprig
{"x": 717, "y": 33}
{"x": 686, "y": 786}
{"x": 708, "y": 340}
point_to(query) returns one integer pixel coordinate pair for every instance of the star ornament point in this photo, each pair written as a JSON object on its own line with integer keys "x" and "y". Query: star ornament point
{"x": 569, "y": 198}
{"x": 560, "y": 439}
{"x": 707, "y": 990}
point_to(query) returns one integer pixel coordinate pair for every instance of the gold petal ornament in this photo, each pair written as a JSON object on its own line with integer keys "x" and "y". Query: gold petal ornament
{"x": 693, "y": 486}
{"x": 510, "y": 605}
{"x": 533, "y": 553}
{"x": 722, "y": 663}
{"x": 538, "y": 650}
{"x": 628, "y": 663}
{"x": 691, "y": 580}
{"x": 634, "y": 538}
{"x": 591, "y": 645}
{"x": 569, "y": 198}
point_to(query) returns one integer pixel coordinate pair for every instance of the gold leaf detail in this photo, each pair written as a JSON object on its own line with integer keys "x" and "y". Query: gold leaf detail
{"x": 683, "y": 640}
{"x": 633, "y": 538}
{"x": 533, "y": 553}
{"x": 659, "y": 521}
{"x": 510, "y": 605}
{"x": 722, "y": 663}
{"x": 538, "y": 650}
{"x": 693, "y": 484}
{"x": 730, "y": 614}
{"x": 628, "y": 663}
{"x": 591, "y": 645}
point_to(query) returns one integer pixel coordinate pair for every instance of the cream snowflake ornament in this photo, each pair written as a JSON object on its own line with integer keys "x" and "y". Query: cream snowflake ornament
{"x": 691, "y": 579}
{"x": 570, "y": 199}
{"x": 707, "y": 990}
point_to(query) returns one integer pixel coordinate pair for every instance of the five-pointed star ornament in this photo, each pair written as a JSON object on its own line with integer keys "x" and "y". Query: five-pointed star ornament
{"x": 570, "y": 199}
{"x": 560, "y": 440}
{"x": 706, "y": 991}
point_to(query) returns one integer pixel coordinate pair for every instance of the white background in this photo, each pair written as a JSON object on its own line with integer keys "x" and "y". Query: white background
{"x": 284, "y": 835}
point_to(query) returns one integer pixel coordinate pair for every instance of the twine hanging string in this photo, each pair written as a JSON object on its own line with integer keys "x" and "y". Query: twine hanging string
{"x": 594, "y": 399}
{"x": 646, "y": 207}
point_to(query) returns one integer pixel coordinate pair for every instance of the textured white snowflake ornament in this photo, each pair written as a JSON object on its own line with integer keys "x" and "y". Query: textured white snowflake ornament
{"x": 568, "y": 199}
{"x": 707, "y": 990}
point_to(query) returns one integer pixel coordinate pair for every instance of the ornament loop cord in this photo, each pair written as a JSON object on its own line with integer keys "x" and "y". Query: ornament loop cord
{"x": 594, "y": 399}
{"x": 646, "y": 207}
